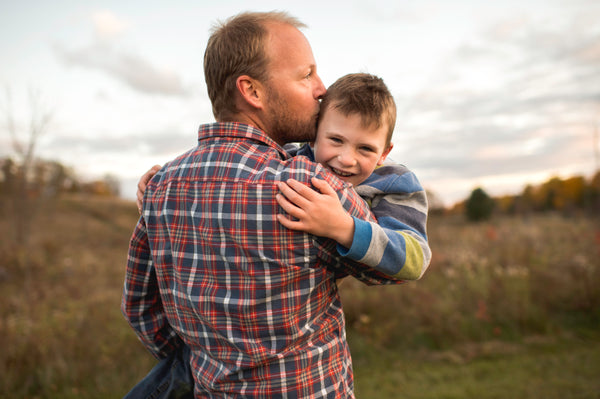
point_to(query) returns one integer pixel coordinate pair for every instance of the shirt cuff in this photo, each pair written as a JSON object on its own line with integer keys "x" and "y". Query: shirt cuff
{"x": 360, "y": 242}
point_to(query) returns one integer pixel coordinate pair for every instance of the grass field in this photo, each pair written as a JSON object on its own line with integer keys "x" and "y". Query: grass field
{"x": 509, "y": 309}
{"x": 537, "y": 367}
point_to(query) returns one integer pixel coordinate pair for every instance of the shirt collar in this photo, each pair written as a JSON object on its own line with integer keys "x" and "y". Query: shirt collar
{"x": 240, "y": 131}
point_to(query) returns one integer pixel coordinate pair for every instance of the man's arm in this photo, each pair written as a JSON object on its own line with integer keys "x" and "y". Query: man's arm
{"x": 396, "y": 246}
{"x": 141, "y": 303}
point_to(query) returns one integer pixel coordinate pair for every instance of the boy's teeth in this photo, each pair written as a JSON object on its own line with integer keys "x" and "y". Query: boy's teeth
{"x": 339, "y": 172}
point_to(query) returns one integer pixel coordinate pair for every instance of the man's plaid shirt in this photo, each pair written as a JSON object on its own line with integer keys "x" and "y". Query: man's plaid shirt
{"x": 210, "y": 266}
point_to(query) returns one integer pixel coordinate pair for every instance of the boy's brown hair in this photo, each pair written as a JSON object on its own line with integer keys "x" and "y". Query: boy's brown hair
{"x": 366, "y": 95}
{"x": 237, "y": 47}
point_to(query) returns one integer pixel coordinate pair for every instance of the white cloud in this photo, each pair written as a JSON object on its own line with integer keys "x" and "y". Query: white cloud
{"x": 107, "y": 52}
{"x": 107, "y": 25}
{"x": 510, "y": 102}
{"x": 126, "y": 67}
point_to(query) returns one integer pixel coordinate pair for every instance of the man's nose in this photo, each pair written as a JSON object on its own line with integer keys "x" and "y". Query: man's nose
{"x": 320, "y": 89}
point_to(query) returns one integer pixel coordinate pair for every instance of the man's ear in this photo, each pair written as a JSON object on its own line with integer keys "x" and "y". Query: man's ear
{"x": 251, "y": 91}
{"x": 385, "y": 153}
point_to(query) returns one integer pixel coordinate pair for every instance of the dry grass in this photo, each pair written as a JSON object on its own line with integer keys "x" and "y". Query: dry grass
{"x": 505, "y": 279}
{"x": 65, "y": 333}
{"x": 490, "y": 288}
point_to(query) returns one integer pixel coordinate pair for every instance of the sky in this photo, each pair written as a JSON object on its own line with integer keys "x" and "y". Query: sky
{"x": 494, "y": 95}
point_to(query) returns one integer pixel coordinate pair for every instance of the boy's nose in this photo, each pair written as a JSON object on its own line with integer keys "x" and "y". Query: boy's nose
{"x": 345, "y": 158}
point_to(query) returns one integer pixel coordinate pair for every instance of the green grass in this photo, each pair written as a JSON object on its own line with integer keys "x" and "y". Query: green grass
{"x": 549, "y": 368}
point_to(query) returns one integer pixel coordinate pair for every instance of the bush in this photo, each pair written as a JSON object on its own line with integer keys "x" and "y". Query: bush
{"x": 479, "y": 206}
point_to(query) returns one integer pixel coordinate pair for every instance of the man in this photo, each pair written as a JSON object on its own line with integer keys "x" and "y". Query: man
{"x": 209, "y": 264}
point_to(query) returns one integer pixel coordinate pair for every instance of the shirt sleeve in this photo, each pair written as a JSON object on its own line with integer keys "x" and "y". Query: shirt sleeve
{"x": 141, "y": 303}
{"x": 343, "y": 266}
{"x": 397, "y": 244}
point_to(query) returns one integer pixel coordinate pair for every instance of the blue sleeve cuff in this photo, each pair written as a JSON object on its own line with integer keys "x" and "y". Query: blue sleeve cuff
{"x": 360, "y": 242}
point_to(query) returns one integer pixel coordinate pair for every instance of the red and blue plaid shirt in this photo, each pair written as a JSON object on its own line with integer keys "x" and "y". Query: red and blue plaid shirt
{"x": 210, "y": 266}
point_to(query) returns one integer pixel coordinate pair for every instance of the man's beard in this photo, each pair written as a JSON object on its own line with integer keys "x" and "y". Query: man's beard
{"x": 285, "y": 126}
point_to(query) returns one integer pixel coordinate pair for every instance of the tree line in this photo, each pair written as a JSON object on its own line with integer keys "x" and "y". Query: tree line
{"x": 567, "y": 196}
{"x": 47, "y": 179}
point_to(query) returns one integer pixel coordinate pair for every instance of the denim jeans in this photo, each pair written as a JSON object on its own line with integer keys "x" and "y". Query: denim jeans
{"x": 171, "y": 378}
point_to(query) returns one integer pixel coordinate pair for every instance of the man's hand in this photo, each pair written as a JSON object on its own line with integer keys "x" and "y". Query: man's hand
{"x": 141, "y": 186}
{"x": 317, "y": 213}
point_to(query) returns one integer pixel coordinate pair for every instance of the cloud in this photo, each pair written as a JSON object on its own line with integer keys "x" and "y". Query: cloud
{"x": 166, "y": 142}
{"x": 104, "y": 54}
{"x": 129, "y": 68}
{"x": 520, "y": 97}
{"x": 107, "y": 25}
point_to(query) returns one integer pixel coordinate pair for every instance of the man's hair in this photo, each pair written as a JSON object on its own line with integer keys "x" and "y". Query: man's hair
{"x": 237, "y": 47}
{"x": 365, "y": 95}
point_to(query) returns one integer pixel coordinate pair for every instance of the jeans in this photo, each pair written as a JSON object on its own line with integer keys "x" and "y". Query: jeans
{"x": 171, "y": 378}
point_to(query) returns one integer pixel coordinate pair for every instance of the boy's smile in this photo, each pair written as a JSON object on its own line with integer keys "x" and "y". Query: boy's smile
{"x": 347, "y": 148}
{"x": 340, "y": 173}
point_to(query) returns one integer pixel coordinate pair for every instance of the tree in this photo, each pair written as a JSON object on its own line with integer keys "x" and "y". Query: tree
{"x": 24, "y": 136}
{"x": 479, "y": 205}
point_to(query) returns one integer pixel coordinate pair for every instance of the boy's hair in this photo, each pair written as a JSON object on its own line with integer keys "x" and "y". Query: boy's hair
{"x": 365, "y": 95}
{"x": 237, "y": 47}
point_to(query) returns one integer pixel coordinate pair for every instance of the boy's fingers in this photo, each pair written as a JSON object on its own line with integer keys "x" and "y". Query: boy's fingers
{"x": 290, "y": 224}
{"x": 288, "y": 207}
{"x": 139, "y": 201}
{"x": 302, "y": 189}
{"x": 323, "y": 186}
{"x": 292, "y": 211}
{"x": 292, "y": 194}
{"x": 142, "y": 183}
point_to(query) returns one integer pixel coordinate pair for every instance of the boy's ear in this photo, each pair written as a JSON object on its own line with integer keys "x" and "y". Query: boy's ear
{"x": 385, "y": 153}
{"x": 250, "y": 90}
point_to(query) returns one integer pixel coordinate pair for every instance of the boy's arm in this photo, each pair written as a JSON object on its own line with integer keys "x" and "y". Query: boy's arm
{"x": 397, "y": 245}
{"x": 318, "y": 213}
{"x": 141, "y": 186}
{"x": 343, "y": 267}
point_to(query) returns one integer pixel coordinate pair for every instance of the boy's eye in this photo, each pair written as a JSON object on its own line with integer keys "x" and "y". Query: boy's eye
{"x": 367, "y": 149}
{"x": 335, "y": 139}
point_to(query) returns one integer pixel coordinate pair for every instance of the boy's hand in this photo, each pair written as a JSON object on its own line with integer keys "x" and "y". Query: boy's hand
{"x": 318, "y": 213}
{"x": 141, "y": 186}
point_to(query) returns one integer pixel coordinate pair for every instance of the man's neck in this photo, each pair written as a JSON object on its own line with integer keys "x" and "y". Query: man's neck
{"x": 244, "y": 118}
{"x": 254, "y": 121}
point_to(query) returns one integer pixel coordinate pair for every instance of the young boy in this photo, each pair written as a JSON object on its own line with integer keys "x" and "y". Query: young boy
{"x": 356, "y": 123}
{"x": 354, "y": 135}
